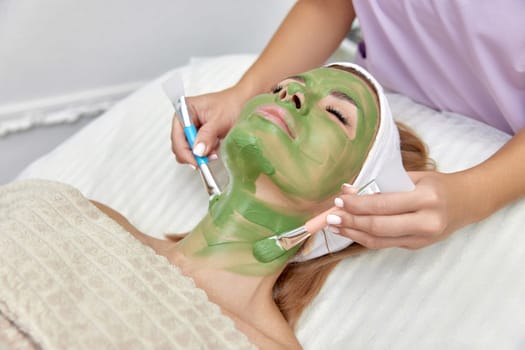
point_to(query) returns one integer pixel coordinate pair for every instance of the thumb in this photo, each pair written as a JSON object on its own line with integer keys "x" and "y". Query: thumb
{"x": 207, "y": 138}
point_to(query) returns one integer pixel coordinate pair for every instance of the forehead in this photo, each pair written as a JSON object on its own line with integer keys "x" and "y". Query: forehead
{"x": 325, "y": 80}
{"x": 338, "y": 77}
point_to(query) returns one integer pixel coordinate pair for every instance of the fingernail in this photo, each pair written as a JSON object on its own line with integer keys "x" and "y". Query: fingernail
{"x": 349, "y": 188}
{"x": 334, "y": 229}
{"x": 339, "y": 202}
{"x": 333, "y": 219}
{"x": 192, "y": 166}
{"x": 213, "y": 156}
{"x": 199, "y": 149}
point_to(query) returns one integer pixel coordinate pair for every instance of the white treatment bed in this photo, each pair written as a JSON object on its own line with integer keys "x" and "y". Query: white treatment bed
{"x": 467, "y": 292}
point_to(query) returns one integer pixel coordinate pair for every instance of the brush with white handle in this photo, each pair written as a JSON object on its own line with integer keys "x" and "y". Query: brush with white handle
{"x": 270, "y": 248}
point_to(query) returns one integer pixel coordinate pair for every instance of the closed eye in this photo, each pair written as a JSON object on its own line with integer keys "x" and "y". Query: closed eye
{"x": 341, "y": 106}
{"x": 276, "y": 88}
{"x": 337, "y": 114}
{"x": 295, "y": 79}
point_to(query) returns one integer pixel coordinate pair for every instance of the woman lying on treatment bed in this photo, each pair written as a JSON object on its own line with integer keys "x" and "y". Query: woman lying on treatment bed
{"x": 288, "y": 155}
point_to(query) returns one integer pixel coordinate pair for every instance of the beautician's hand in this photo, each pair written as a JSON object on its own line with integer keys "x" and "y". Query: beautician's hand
{"x": 213, "y": 115}
{"x": 439, "y": 205}
{"x": 434, "y": 210}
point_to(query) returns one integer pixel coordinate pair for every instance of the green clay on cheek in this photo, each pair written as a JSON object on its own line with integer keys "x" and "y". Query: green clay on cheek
{"x": 311, "y": 167}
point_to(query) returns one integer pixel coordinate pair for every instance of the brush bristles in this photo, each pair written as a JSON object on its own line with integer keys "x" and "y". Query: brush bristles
{"x": 268, "y": 249}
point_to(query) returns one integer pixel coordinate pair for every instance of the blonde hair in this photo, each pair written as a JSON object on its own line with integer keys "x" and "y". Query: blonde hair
{"x": 300, "y": 282}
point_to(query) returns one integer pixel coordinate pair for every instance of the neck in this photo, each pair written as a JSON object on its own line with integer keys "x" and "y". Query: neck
{"x": 225, "y": 237}
{"x": 218, "y": 255}
{"x": 221, "y": 246}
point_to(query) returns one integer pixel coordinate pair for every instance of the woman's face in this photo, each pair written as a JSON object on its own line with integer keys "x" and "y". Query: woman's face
{"x": 309, "y": 135}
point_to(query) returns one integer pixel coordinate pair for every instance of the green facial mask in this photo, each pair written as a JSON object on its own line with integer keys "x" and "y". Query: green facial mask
{"x": 310, "y": 167}
{"x": 321, "y": 157}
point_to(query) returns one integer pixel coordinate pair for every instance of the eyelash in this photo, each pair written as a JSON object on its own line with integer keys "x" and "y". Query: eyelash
{"x": 337, "y": 114}
{"x": 276, "y": 88}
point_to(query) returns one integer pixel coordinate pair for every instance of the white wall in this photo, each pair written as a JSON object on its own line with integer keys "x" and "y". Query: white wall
{"x": 59, "y": 52}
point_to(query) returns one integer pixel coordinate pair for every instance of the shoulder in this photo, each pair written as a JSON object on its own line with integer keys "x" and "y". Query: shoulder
{"x": 158, "y": 245}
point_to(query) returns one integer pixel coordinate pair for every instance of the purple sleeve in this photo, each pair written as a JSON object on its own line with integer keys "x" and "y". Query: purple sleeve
{"x": 461, "y": 56}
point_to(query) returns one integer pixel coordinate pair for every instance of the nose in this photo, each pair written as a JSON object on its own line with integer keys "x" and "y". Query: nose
{"x": 292, "y": 93}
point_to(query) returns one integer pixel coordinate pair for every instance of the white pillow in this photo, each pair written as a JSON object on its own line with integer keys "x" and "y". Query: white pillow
{"x": 465, "y": 292}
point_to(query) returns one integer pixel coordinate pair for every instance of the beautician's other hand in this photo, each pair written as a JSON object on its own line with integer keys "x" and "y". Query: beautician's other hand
{"x": 213, "y": 115}
{"x": 434, "y": 210}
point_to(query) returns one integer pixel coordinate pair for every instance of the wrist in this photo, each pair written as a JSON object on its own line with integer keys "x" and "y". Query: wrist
{"x": 477, "y": 200}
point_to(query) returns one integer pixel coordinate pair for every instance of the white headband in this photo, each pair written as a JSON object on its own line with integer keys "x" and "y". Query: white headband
{"x": 383, "y": 164}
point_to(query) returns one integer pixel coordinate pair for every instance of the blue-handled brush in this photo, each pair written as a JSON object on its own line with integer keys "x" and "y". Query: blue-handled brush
{"x": 191, "y": 133}
{"x": 174, "y": 89}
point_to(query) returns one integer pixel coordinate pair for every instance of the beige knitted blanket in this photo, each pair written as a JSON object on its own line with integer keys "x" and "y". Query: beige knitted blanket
{"x": 72, "y": 278}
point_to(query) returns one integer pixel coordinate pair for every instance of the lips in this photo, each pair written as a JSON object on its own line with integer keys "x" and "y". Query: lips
{"x": 276, "y": 115}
